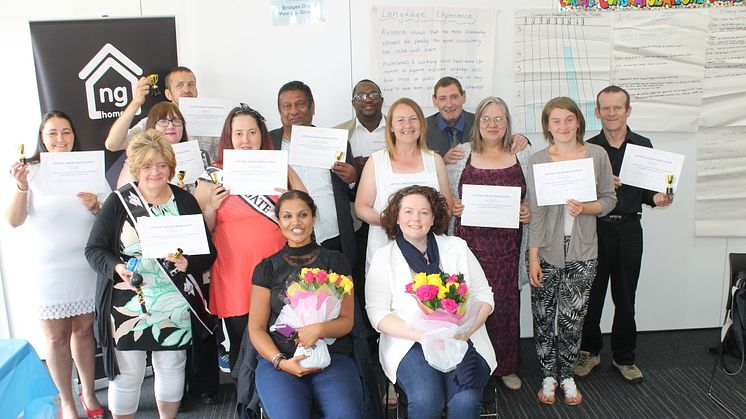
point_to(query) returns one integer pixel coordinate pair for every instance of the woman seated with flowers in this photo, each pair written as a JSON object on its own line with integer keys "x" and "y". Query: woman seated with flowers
{"x": 302, "y": 271}
{"x": 422, "y": 276}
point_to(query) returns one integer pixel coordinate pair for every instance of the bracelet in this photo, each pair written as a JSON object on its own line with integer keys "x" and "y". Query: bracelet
{"x": 277, "y": 359}
{"x": 18, "y": 188}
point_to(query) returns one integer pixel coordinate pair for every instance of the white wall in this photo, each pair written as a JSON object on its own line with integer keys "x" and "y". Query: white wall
{"x": 237, "y": 54}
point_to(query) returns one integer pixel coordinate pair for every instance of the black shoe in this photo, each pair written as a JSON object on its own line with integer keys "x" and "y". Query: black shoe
{"x": 209, "y": 398}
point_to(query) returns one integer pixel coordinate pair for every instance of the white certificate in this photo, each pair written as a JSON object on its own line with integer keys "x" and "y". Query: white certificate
{"x": 402, "y": 180}
{"x": 73, "y": 172}
{"x": 188, "y": 159}
{"x": 491, "y": 206}
{"x": 647, "y": 168}
{"x": 160, "y": 236}
{"x": 255, "y": 172}
{"x": 317, "y": 147}
{"x": 204, "y": 116}
{"x": 559, "y": 181}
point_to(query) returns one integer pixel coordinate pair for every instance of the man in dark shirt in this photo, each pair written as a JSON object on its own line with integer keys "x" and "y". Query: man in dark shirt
{"x": 619, "y": 245}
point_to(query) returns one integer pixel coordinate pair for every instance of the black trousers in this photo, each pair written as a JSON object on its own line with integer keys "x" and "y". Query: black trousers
{"x": 235, "y": 326}
{"x": 202, "y": 374}
{"x": 619, "y": 259}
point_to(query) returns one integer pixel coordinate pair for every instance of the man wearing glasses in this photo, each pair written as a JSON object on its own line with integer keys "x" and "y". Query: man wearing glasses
{"x": 367, "y": 130}
{"x": 180, "y": 82}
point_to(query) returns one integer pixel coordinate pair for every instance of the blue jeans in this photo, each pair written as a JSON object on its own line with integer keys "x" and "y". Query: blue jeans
{"x": 335, "y": 392}
{"x": 425, "y": 388}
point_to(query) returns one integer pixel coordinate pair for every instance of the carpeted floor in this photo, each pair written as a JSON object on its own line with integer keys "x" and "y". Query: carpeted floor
{"x": 677, "y": 367}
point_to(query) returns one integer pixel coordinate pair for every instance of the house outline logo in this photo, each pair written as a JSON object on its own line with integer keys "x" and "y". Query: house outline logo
{"x": 108, "y": 57}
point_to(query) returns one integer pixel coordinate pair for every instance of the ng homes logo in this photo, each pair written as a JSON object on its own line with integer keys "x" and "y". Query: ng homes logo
{"x": 110, "y": 80}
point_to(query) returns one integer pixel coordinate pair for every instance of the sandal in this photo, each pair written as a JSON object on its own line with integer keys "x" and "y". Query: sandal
{"x": 572, "y": 394}
{"x": 546, "y": 392}
{"x": 92, "y": 413}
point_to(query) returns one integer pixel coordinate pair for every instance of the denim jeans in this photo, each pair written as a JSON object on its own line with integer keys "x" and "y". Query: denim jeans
{"x": 425, "y": 388}
{"x": 336, "y": 392}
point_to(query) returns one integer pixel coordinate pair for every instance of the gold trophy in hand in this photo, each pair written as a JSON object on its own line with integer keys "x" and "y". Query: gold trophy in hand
{"x": 21, "y": 150}
{"x": 215, "y": 178}
{"x": 669, "y": 184}
{"x": 180, "y": 179}
{"x": 154, "y": 90}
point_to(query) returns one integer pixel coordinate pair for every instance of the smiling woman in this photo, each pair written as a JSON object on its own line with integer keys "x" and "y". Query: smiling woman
{"x": 405, "y": 161}
{"x": 562, "y": 247}
{"x": 57, "y": 226}
{"x": 124, "y": 331}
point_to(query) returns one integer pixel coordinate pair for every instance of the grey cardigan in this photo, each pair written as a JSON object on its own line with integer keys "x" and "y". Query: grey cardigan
{"x": 547, "y": 226}
{"x": 454, "y": 177}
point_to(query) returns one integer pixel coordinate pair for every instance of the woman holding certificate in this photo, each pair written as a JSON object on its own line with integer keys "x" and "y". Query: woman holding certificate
{"x": 563, "y": 246}
{"x": 405, "y": 161}
{"x": 146, "y": 304}
{"x": 245, "y": 229}
{"x": 488, "y": 161}
{"x": 166, "y": 118}
{"x": 425, "y": 291}
{"x": 58, "y": 225}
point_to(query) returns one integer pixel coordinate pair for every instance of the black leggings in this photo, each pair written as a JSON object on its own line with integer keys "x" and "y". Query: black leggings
{"x": 236, "y": 326}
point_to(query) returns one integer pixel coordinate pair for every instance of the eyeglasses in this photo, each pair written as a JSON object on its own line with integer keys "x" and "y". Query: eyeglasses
{"x": 163, "y": 123}
{"x": 364, "y": 96}
{"x": 496, "y": 120}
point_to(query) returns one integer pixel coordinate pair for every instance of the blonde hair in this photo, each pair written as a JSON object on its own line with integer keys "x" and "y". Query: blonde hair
{"x": 390, "y": 139}
{"x": 477, "y": 142}
{"x": 145, "y": 146}
{"x": 569, "y": 105}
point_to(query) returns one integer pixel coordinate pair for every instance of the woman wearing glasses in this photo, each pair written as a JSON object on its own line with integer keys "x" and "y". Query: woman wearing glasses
{"x": 166, "y": 118}
{"x": 488, "y": 160}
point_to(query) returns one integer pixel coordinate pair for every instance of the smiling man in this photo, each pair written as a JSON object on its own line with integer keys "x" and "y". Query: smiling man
{"x": 619, "y": 245}
{"x": 332, "y": 190}
{"x": 452, "y": 124}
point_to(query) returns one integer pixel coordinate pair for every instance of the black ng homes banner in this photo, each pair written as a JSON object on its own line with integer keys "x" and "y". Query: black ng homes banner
{"x": 89, "y": 68}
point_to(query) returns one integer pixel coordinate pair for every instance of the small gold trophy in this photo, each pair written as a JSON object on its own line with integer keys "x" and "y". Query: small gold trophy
{"x": 179, "y": 252}
{"x": 180, "y": 179}
{"x": 21, "y": 149}
{"x": 154, "y": 90}
{"x": 340, "y": 155}
{"x": 215, "y": 179}
{"x": 669, "y": 184}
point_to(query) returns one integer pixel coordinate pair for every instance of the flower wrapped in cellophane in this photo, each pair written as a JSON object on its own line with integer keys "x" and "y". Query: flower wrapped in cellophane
{"x": 315, "y": 296}
{"x": 442, "y": 299}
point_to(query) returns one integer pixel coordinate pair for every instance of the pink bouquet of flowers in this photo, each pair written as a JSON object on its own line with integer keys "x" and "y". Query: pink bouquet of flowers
{"x": 314, "y": 297}
{"x": 442, "y": 299}
{"x": 441, "y": 296}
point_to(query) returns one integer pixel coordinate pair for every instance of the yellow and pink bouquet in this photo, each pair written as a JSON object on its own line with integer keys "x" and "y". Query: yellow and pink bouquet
{"x": 315, "y": 296}
{"x": 440, "y": 296}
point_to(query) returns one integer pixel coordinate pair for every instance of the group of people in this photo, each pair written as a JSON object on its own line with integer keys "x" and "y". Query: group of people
{"x": 380, "y": 220}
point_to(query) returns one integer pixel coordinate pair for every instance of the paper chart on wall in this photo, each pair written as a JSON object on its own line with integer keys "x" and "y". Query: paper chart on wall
{"x": 558, "y": 54}
{"x": 720, "y": 198}
{"x": 725, "y": 69}
{"x": 414, "y": 46}
{"x": 658, "y": 57}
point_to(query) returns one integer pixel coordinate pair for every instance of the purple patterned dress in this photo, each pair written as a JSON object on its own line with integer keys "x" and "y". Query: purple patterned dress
{"x": 498, "y": 250}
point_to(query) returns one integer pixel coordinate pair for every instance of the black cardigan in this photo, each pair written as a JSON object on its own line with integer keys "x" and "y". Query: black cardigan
{"x": 102, "y": 252}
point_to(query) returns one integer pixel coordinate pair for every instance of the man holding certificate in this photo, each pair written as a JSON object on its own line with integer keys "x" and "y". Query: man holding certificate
{"x": 562, "y": 243}
{"x": 332, "y": 189}
{"x": 619, "y": 244}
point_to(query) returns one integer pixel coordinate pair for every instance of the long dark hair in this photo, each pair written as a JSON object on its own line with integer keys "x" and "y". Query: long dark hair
{"x": 226, "y": 141}
{"x": 40, "y": 147}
